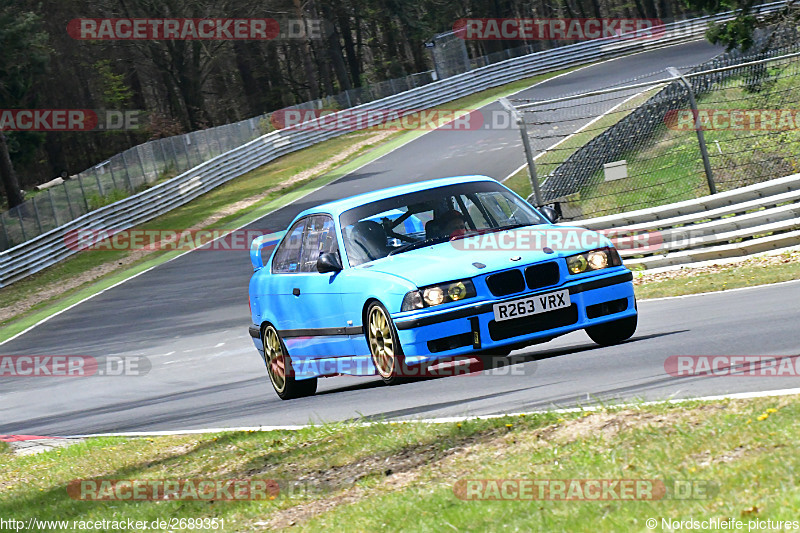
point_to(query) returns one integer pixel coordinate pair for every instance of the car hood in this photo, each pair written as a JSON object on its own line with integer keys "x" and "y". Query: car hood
{"x": 453, "y": 260}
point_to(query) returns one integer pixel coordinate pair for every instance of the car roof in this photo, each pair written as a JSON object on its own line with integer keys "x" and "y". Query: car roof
{"x": 338, "y": 207}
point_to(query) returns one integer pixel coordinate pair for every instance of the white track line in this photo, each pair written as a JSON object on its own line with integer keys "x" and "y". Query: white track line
{"x": 451, "y": 419}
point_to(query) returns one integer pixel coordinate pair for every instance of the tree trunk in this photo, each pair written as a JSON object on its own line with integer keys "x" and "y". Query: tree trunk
{"x": 8, "y": 176}
{"x": 311, "y": 78}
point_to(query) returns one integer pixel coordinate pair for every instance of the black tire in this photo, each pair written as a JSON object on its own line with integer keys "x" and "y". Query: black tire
{"x": 279, "y": 368}
{"x": 384, "y": 345}
{"x": 614, "y": 332}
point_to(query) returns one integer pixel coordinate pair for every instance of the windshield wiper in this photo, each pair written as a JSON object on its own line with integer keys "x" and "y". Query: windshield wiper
{"x": 509, "y": 226}
{"x": 419, "y": 244}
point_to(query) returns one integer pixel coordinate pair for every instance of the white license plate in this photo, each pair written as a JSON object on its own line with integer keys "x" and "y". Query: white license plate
{"x": 533, "y": 305}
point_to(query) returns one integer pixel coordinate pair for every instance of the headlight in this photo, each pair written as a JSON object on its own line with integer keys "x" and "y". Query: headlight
{"x": 594, "y": 260}
{"x": 433, "y": 295}
{"x": 577, "y": 263}
{"x": 598, "y": 259}
{"x": 439, "y": 294}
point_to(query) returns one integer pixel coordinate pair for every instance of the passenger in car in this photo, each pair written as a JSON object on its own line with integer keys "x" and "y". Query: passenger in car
{"x": 451, "y": 224}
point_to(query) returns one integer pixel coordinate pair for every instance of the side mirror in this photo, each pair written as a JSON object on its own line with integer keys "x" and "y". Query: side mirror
{"x": 329, "y": 262}
{"x": 551, "y": 214}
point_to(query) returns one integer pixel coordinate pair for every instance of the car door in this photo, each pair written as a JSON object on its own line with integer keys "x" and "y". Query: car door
{"x": 315, "y": 324}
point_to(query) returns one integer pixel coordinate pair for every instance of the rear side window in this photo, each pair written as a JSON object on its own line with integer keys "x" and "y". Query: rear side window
{"x": 287, "y": 256}
{"x": 320, "y": 238}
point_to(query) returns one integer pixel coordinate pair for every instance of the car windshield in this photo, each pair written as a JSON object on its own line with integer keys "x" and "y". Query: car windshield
{"x": 402, "y": 223}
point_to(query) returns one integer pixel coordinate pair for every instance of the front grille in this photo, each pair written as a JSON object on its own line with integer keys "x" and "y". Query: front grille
{"x": 606, "y": 308}
{"x": 542, "y": 275}
{"x": 533, "y": 323}
{"x": 504, "y": 283}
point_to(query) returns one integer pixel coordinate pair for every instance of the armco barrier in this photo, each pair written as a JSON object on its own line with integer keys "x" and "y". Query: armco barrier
{"x": 48, "y": 248}
{"x": 752, "y": 219}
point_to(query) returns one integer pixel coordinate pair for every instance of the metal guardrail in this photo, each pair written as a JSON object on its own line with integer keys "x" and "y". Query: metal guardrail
{"x": 752, "y": 219}
{"x": 49, "y": 248}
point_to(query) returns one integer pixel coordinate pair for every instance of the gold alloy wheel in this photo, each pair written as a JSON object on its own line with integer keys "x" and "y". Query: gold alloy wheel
{"x": 381, "y": 343}
{"x": 276, "y": 359}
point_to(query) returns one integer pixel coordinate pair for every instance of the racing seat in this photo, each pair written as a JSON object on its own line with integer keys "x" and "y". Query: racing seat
{"x": 432, "y": 229}
{"x": 369, "y": 241}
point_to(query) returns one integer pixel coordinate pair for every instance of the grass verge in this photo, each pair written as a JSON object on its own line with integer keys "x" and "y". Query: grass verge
{"x": 750, "y": 272}
{"x": 738, "y": 457}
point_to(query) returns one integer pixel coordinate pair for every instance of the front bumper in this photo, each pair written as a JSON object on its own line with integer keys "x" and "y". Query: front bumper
{"x": 427, "y": 336}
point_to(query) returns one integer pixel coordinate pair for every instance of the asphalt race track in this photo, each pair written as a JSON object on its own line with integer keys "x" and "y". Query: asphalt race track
{"x": 189, "y": 317}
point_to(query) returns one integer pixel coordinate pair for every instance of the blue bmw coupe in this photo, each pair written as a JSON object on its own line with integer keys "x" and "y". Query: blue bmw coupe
{"x": 405, "y": 277}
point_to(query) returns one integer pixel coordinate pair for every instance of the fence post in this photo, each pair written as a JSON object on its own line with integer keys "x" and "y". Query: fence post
{"x": 698, "y": 128}
{"x": 83, "y": 192}
{"x": 99, "y": 185}
{"x": 526, "y": 143}
{"x": 141, "y": 164}
{"x": 21, "y": 223}
{"x": 111, "y": 171}
{"x": 53, "y": 207}
{"x": 69, "y": 201}
{"x": 127, "y": 172}
{"x": 160, "y": 143}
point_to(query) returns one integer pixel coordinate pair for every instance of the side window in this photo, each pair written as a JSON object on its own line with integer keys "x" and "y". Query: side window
{"x": 498, "y": 205}
{"x": 287, "y": 256}
{"x": 320, "y": 238}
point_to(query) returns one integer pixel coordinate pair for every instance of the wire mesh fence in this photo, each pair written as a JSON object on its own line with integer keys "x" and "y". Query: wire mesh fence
{"x": 118, "y": 177}
{"x": 638, "y": 146}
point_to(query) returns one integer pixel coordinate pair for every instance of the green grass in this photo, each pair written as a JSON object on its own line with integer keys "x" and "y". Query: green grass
{"x": 188, "y": 216}
{"x": 751, "y": 273}
{"x": 4, "y": 447}
{"x": 401, "y": 476}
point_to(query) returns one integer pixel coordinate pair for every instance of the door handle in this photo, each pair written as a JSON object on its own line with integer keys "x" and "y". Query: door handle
{"x": 296, "y": 291}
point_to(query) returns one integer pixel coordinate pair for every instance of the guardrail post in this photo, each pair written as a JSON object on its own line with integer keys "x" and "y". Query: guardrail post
{"x": 526, "y": 143}
{"x": 698, "y": 128}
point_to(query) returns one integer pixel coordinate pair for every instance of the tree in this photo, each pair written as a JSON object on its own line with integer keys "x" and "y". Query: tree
{"x": 738, "y": 32}
{"x": 24, "y": 56}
